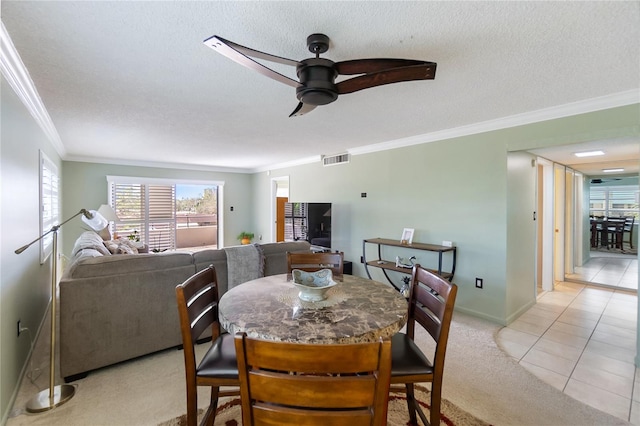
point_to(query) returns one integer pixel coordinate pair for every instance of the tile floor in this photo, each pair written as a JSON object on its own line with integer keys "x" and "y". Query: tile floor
{"x": 613, "y": 270}
{"x": 581, "y": 339}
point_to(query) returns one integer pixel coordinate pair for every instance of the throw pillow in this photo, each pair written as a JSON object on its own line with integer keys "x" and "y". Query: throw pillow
{"x": 121, "y": 246}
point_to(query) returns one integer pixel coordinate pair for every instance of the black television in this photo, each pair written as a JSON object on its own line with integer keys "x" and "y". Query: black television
{"x": 308, "y": 222}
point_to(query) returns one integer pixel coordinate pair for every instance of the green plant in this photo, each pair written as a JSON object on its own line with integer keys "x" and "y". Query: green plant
{"x": 245, "y": 235}
{"x": 134, "y": 236}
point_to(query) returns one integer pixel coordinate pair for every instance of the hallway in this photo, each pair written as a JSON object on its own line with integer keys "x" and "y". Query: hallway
{"x": 581, "y": 339}
{"x": 610, "y": 269}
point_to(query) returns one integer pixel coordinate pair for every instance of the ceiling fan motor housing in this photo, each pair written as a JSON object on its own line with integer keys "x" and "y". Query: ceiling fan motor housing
{"x": 317, "y": 81}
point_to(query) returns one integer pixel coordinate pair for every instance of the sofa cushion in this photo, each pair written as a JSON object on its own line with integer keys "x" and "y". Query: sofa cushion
{"x": 217, "y": 258}
{"x": 90, "y": 240}
{"x": 121, "y": 246}
{"x": 119, "y": 264}
{"x": 275, "y": 255}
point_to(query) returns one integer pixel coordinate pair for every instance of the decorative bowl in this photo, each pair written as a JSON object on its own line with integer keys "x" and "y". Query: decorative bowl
{"x": 313, "y": 285}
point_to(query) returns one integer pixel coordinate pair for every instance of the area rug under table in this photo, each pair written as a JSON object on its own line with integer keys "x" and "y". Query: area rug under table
{"x": 229, "y": 413}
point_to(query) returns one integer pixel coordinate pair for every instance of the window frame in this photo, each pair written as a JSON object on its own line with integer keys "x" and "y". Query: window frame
{"x": 146, "y": 181}
{"x": 49, "y": 197}
{"x": 607, "y": 195}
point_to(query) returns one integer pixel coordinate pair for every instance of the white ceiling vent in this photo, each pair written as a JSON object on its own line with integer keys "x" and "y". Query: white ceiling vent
{"x": 332, "y": 160}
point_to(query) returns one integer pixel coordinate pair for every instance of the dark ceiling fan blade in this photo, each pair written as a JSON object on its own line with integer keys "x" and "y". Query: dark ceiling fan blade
{"x": 366, "y": 66}
{"x": 395, "y": 75}
{"x": 240, "y": 54}
{"x": 302, "y": 109}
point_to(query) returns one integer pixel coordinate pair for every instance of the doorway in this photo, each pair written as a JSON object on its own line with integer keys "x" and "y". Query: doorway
{"x": 279, "y": 196}
{"x": 545, "y": 228}
{"x": 597, "y": 262}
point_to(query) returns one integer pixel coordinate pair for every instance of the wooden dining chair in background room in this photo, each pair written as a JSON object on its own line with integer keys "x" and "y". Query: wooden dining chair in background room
{"x": 311, "y": 262}
{"x": 197, "y": 301}
{"x": 431, "y": 305}
{"x": 614, "y": 228}
{"x": 628, "y": 229}
{"x": 284, "y": 383}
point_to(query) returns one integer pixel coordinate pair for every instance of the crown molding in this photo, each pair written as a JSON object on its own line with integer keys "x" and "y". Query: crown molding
{"x": 614, "y": 100}
{"x": 158, "y": 164}
{"x": 18, "y": 77}
{"x": 293, "y": 163}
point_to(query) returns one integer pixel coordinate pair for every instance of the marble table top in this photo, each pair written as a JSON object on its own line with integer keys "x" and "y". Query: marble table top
{"x": 356, "y": 310}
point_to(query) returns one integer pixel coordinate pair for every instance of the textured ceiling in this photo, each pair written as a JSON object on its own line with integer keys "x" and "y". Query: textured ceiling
{"x": 133, "y": 82}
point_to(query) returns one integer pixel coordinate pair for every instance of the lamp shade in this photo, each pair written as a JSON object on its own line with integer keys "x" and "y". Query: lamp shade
{"x": 108, "y": 213}
{"x": 95, "y": 220}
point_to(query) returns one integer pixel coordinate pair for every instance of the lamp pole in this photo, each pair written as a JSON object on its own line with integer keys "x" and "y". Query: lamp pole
{"x": 55, "y": 395}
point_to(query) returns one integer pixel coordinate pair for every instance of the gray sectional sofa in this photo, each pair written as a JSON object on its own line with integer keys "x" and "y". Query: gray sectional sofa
{"x": 115, "y": 307}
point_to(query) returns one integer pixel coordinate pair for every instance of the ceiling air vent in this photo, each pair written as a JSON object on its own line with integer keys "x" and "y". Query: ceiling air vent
{"x": 332, "y": 160}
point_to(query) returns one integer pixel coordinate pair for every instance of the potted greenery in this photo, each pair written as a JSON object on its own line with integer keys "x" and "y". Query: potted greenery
{"x": 245, "y": 237}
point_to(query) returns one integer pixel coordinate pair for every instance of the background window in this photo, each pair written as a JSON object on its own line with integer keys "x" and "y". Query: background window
{"x": 49, "y": 213}
{"x": 164, "y": 215}
{"x": 614, "y": 201}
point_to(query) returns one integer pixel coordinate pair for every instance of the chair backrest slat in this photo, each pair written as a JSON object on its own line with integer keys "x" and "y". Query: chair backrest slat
{"x": 311, "y": 262}
{"x": 198, "y": 306}
{"x": 431, "y": 305}
{"x": 313, "y": 384}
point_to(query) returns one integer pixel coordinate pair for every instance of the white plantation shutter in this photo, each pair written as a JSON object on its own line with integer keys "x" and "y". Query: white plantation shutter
{"x": 128, "y": 201}
{"x": 146, "y": 210}
{"x": 613, "y": 201}
{"x": 49, "y": 206}
{"x": 162, "y": 217}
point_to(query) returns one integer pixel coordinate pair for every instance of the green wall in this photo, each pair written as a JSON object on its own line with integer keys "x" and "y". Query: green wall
{"x": 85, "y": 186}
{"x": 453, "y": 190}
{"x": 24, "y": 283}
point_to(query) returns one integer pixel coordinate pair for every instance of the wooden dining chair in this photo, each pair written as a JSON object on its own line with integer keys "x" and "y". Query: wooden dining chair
{"x": 284, "y": 383}
{"x": 628, "y": 229}
{"x": 614, "y": 229}
{"x": 197, "y": 299}
{"x": 310, "y": 262}
{"x": 431, "y": 305}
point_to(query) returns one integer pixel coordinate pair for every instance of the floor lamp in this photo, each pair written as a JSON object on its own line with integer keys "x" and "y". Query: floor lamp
{"x": 57, "y": 395}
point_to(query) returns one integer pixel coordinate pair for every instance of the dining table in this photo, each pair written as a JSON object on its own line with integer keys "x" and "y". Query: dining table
{"x": 355, "y": 310}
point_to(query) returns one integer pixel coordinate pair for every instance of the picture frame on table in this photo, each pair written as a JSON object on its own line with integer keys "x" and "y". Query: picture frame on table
{"x": 407, "y": 236}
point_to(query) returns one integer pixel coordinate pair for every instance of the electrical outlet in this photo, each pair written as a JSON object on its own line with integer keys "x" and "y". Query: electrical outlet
{"x": 19, "y": 327}
{"x": 478, "y": 282}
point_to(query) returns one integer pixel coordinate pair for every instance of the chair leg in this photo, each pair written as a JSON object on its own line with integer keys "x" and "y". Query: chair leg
{"x": 192, "y": 406}
{"x": 414, "y": 408}
{"x": 411, "y": 404}
{"x": 210, "y": 416}
{"x": 436, "y": 402}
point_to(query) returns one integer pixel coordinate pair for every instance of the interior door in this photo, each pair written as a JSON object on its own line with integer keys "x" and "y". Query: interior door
{"x": 280, "y": 218}
{"x": 559, "y": 222}
{"x": 545, "y": 190}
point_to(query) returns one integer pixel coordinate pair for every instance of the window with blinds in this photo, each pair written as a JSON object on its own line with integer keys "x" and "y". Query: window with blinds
{"x": 614, "y": 201}
{"x": 146, "y": 212}
{"x": 295, "y": 221}
{"x": 49, "y": 207}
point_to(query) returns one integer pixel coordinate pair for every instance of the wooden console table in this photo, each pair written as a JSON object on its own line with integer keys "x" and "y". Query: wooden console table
{"x": 390, "y": 265}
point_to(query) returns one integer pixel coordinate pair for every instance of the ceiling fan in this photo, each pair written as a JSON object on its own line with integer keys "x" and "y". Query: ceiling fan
{"x": 317, "y": 75}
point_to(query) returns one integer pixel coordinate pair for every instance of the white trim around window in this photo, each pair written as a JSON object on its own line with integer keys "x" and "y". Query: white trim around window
{"x": 49, "y": 203}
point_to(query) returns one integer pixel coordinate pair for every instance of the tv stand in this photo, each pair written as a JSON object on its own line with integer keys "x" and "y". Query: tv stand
{"x": 390, "y": 265}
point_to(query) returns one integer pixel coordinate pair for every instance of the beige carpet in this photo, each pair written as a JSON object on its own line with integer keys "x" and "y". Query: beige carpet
{"x": 479, "y": 378}
{"x": 229, "y": 413}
